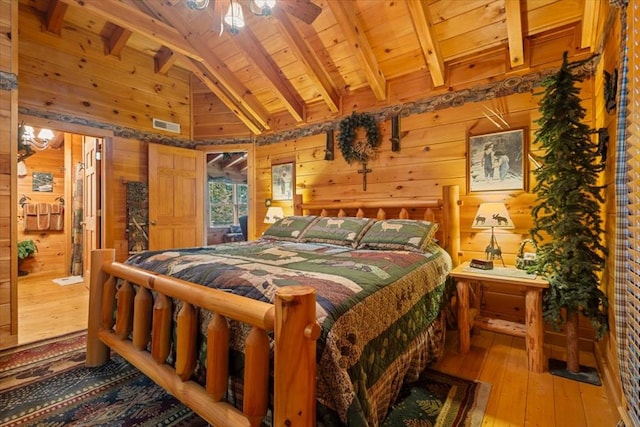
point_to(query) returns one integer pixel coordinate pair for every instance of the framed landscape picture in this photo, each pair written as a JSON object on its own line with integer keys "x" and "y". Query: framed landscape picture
{"x": 497, "y": 161}
{"x": 282, "y": 181}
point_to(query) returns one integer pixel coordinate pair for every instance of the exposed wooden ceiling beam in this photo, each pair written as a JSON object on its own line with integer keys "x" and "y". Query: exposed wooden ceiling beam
{"x": 216, "y": 158}
{"x": 203, "y": 74}
{"x": 236, "y": 96}
{"x": 117, "y": 41}
{"x": 589, "y": 23}
{"x": 256, "y": 53}
{"x": 235, "y": 160}
{"x": 135, "y": 20}
{"x": 514, "y": 32}
{"x": 428, "y": 42}
{"x": 163, "y": 60}
{"x": 353, "y": 30}
{"x": 55, "y": 16}
{"x": 309, "y": 59}
{"x": 236, "y": 99}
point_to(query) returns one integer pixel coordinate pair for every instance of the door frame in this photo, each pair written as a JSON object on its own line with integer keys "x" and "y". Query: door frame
{"x": 251, "y": 178}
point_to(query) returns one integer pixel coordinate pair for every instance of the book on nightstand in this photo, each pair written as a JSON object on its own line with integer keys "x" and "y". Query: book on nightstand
{"x": 481, "y": 264}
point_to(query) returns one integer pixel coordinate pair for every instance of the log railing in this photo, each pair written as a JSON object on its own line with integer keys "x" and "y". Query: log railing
{"x": 140, "y": 324}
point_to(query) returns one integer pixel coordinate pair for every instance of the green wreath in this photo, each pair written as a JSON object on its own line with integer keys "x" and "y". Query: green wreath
{"x": 359, "y": 151}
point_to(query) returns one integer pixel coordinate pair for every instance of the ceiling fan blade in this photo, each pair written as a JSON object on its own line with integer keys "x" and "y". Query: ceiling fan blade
{"x": 304, "y": 10}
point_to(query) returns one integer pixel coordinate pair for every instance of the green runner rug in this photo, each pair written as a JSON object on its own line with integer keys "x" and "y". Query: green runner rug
{"x": 46, "y": 384}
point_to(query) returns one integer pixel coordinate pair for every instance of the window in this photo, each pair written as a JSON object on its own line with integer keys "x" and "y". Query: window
{"x": 227, "y": 202}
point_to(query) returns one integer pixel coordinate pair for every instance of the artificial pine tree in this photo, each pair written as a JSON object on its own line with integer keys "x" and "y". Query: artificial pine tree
{"x": 567, "y": 224}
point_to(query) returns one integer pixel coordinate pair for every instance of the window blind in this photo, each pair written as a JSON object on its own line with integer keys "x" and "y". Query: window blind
{"x": 633, "y": 169}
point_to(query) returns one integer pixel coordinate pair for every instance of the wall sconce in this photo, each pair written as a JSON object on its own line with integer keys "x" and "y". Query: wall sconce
{"x": 328, "y": 149}
{"x": 29, "y": 144}
{"x": 274, "y": 213}
{"x": 395, "y": 133}
{"x": 41, "y": 142}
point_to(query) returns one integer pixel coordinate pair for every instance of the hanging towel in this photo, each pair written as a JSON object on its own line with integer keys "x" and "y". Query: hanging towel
{"x": 30, "y": 216}
{"x": 44, "y": 216}
{"x": 57, "y": 217}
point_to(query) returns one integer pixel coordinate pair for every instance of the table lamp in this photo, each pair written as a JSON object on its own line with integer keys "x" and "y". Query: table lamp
{"x": 493, "y": 215}
{"x": 274, "y": 213}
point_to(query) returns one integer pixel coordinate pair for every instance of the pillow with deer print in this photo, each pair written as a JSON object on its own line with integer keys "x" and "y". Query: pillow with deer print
{"x": 399, "y": 234}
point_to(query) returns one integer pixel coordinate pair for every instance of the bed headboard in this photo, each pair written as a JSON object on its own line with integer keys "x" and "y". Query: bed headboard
{"x": 445, "y": 211}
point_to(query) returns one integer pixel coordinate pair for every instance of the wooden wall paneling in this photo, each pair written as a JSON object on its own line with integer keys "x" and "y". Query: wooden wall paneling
{"x": 124, "y": 160}
{"x": 8, "y": 172}
{"x": 52, "y": 253}
{"x": 103, "y": 88}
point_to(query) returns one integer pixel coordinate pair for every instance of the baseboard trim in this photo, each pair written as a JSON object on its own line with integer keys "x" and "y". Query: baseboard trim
{"x": 611, "y": 381}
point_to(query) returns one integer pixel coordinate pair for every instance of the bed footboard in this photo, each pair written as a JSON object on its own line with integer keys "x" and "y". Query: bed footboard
{"x": 140, "y": 322}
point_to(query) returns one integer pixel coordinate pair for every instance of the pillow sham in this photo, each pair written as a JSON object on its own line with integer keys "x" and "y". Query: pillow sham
{"x": 399, "y": 234}
{"x": 289, "y": 228}
{"x": 343, "y": 231}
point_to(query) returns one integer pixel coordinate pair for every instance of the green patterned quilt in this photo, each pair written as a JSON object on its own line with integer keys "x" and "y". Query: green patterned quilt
{"x": 379, "y": 310}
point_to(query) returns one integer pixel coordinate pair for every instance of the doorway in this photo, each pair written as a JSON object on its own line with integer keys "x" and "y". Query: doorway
{"x": 52, "y": 297}
{"x": 227, "y": 201}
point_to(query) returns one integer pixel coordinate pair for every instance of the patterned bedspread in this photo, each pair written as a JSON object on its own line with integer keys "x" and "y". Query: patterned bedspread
{"x": 378, "y": 310}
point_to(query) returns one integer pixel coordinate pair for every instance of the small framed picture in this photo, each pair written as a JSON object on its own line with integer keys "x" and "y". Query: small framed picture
{"x": 497, "y": 161}
{"x": 42, "y": 181}
{"x": 282, "y": 181}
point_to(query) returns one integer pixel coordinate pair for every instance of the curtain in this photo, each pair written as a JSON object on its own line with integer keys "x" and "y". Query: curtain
{"x": 627, "y": 259}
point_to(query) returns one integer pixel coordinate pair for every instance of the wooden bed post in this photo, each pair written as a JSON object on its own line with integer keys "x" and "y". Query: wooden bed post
{"x": 451, "y": 195}
{"x": 296, "y": 332}
{"x": 97, "y": 351}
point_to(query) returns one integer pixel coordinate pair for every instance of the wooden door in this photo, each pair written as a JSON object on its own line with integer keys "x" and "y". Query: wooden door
{"x": 90, "y": 200}
{"x": 176, "y": 194}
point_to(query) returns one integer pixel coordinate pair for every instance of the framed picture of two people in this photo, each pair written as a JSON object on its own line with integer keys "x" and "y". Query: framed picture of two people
{"x": 497, "y": 161}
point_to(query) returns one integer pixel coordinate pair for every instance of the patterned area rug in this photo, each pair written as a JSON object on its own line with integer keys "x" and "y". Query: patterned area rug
{"x": 46, "y": 384}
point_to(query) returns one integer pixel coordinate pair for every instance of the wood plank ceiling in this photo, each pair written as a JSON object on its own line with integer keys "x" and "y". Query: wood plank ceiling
{"x": 281, "y": 65}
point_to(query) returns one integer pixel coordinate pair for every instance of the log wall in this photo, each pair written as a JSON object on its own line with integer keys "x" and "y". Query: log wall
{"x": 433, "y": 148}
{"x": 52, "y": 249}
{"x": 8, "y": 167}
{"x": 72, "y": 75}
{"x": 433, "y": 153}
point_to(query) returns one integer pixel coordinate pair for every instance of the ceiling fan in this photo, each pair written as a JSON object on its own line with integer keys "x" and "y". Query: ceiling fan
{"x": 229, "y": 11}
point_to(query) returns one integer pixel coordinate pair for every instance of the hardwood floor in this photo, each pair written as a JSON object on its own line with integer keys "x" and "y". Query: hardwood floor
{"x": 518, "y": 397}
{"x": 46, "y": 309}
{"x": 522, "y": 398}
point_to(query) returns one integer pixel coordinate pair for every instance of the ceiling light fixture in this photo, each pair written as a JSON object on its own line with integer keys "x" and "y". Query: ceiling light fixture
{"x": 197, "y": 4}
{"x": 263, "y": 7}
{"x": 234, "y": 17}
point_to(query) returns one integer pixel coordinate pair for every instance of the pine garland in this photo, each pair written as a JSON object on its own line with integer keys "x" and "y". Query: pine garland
{"x": 359, "y": 151}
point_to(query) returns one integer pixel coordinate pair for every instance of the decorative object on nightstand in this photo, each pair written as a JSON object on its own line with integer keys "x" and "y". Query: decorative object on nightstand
{"x": 526, "y": 259}
{"x": 274, "y": 213}
{"x": 493, "y": 215}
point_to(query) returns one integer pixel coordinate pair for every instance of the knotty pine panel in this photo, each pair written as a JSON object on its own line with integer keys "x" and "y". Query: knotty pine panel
{"x": 51, "y": 254}
{"x": 84, "y": 58}
{"x": 9, "y": 133}
{"x": 79, "y": 80}
{"x": 125, "y": 160}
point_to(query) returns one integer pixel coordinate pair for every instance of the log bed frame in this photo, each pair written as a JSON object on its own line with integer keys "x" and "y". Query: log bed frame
{"x": 138, "y": 322}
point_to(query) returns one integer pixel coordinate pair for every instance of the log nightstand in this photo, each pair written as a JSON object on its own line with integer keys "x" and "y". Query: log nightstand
{"x": 532, "y": 330}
